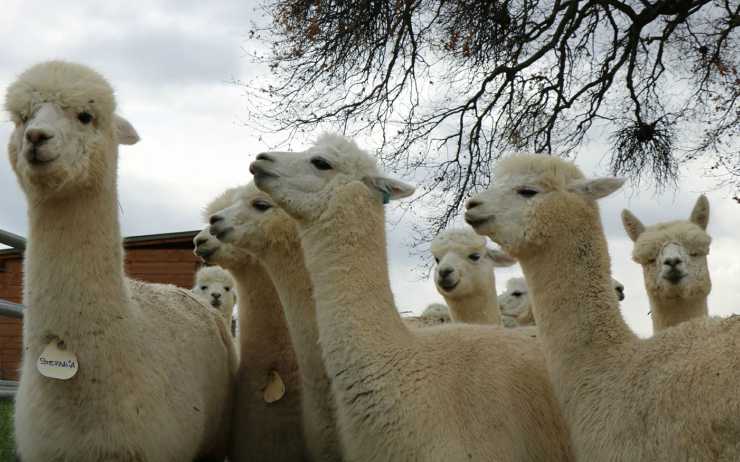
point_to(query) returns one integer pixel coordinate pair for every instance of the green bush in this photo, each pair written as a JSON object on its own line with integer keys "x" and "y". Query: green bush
{"x": 7, "y": 442}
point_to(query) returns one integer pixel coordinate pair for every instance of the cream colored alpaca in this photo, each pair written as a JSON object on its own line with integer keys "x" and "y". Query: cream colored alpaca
{"x": 401, "y": 394}
{"x": 464, "y": 275}
{"x": 261, "y": 430}
{"x": 258, "y": 226}
{"x": 155, "y": 365}
{"x": 216, "y": 286}
{"x": 516, "y": 307}
{"x": 438, "y": 312}
{"x": 673, "y": 256}
{"x": 672, "y": 397}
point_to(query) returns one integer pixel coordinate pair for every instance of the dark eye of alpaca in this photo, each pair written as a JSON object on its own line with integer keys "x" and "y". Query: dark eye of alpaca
{"x": 85, "y": 117}
{"x": 526, "y": 192}
{"x": 203, "y": 287}
{"x": 436, "y": 259}
{"x": 261, "y": 205}
{"x": 227, "y": 289}
{"x": 516, "y": 294}
{"x": 474, "y": 256}
{"x": 321, "y": 164}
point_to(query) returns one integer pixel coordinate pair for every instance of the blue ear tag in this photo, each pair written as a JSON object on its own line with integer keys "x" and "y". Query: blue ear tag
{"x": 386, "y": 197}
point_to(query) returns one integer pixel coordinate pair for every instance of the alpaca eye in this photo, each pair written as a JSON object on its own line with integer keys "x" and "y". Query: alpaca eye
{"x": 516, "y": 294}
{"x": 203, "y": 287}
{"x": 527, "y": 192}
{"x": 227, "y": 289}
{"x": 474, "y": 256}
{"x": 320, "y": 163}
{"x": 436, "y": 259}
{"x": 261, "y": 205}
{"x": 85, "y": 117}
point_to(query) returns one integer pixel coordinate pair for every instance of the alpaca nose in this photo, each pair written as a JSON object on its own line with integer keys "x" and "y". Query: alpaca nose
{"x": 472, "y": 203}
{"x": 215, "y": 219}
{"x": 672, "y": 262}
{"x": 216, "y": 295}
{"x": 444, "y": 272}
{"x": 266, "y": 157}
{"x": 38, "y": 136}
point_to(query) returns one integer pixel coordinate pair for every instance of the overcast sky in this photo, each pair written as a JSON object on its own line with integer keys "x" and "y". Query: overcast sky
{"x": 172, "y": 64}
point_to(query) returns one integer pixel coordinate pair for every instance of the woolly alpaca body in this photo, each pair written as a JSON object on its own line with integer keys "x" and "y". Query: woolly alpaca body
{"x": 215, "y": 286}
{"x": 391, "y": 385}
{"x": 671, "y": 397}
{"x": 464, "y": 275}
{"x": 260, "y": 430}
{"x": 258, "y": 226}
{"x": 673, "y": 257}
{"x": 156, "y": 340}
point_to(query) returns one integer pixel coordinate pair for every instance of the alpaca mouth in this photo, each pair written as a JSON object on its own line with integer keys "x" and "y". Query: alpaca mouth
{"x": 35, "y": 156}
{"x": 204, "y": 253}
{"x": 448, "y": 286}
{"x": 674, "y": 277}
{"x": 475, "y": 221}
{"x": 259, "y": 172}
{"x": 216, "y": 303}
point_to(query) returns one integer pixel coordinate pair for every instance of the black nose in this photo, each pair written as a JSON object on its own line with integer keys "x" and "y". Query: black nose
{"x": 37, "y": 137}
{"x": 200, "y": 241}
{"x": 672, "y": 262}
{"x": 472, "y": 203}
{"x": 266, "y": 157}
{"x": 216, "y": 295}
{"x": 444, "y": 272}
{"x": 215, "y": 219}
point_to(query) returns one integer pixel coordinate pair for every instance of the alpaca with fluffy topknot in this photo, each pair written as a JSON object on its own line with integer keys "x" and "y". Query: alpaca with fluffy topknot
{"x": 464, "y": 275}
{"x": 400, "y": 393}
{"x": 672, "y": 397}
{"x": 673, "y": 256}
{"x": 216, "y": 286}
{"x": 265, "y": 425}
{"x": 154, "y": 365}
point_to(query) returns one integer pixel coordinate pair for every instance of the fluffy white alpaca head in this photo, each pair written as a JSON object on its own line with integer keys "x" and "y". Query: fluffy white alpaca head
{"x": 303, "y": 183}
{"x": 464, "y": 263}
{"x": 216, "y": 286}
{"x": 66, "y": 130}
{"x": 437, "y": 312}
{"x": 673, "y": 255}
{"x": 254, "y": 223}
{"x": 531, "y": 198}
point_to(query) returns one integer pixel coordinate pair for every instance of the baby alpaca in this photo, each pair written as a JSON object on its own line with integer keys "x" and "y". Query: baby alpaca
{"x": 464, "y": 275}
{"x": 216, "y": 287}
{"x": 673, "y": 256}
{"x": 155, "y": 366}
{"x": 667, "y": 398}
{"x": 403, "y": 394}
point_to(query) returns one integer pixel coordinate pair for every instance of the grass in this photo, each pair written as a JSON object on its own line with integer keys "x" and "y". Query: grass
{"x": 7, "y": 443}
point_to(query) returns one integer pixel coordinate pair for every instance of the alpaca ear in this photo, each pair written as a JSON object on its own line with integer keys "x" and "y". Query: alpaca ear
{"x": 700, "y": 214}
{"x": 125, "y": 132}
{"x": 500, "y": 259}
{"x": 632, "y": 225}
{"x": 390, "y": 188}
{"x": 595, "y": 188}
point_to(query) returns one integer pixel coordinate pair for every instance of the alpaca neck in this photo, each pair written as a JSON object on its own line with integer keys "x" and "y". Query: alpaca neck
{"x": 575, "y": 306}
{"x": 74, "y": 264}
{"x": 345, "y": 255}
{"x": 667, "y": 312}
{"x": 480, "y": 308}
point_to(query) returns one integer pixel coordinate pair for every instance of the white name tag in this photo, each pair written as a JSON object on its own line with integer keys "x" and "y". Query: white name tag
{"x": 56, "y": 362}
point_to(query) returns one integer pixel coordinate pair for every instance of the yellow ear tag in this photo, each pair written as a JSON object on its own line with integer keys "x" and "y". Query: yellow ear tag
{"x": 275, "y": 388}
{"x": 56, "y": 362}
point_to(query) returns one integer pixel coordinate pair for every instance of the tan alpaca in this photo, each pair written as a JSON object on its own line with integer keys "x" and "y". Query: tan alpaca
{"x": 401, "y": 394}
{"x": 258, "y": 226}
{"x": 261, "y": 430}
{"x": 437, "y": 312}
{"x": 216, "y": 286}
{"x": 155, "y": 365}
{"x": 673, "y": 256}
{"x": 464, "y": 275}
{"x": 673, "y": 397}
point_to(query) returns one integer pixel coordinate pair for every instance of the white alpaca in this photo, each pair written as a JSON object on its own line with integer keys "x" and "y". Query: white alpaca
{"x": 258, "y": 226}
{"x": 673, "y": 256}
{"x": 216, "y": 286}
{"x": 403, "y": 394}
{"x": 464, "y": 275}
{"x": 263, "y": 428}
{"x": 667, "y": 398}
{"x": 437, "y": 312}
{"x": 516, "y": 307}
{"x": 155, "y": 365}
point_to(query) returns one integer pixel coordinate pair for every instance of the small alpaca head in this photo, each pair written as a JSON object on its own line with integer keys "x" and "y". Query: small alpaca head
{"x": 303, "y": 183}
{"x": 254, "y": 223}
{"x": 464, "y": 263}
{"x": 216, "y": 286}
{"x": 673, "y": 255}
{"x": 437, "y": 312}
{"x": 66, "y": 130}
{"x": 514, "y": 301}
{"x": 534, "y": 200}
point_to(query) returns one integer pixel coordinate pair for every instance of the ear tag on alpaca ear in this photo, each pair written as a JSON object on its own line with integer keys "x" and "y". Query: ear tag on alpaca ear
{"x": 56, "y": 362}
{"x": 275, "y": 388}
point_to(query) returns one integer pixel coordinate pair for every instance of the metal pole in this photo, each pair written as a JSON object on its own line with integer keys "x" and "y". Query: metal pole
{"x": 10, "y": 309}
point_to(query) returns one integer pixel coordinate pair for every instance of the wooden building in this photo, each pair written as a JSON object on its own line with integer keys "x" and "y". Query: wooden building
{"x": 165, "y": 258}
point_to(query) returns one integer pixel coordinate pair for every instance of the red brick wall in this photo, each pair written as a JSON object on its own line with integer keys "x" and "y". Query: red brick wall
{"x": 171, "y": 266}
